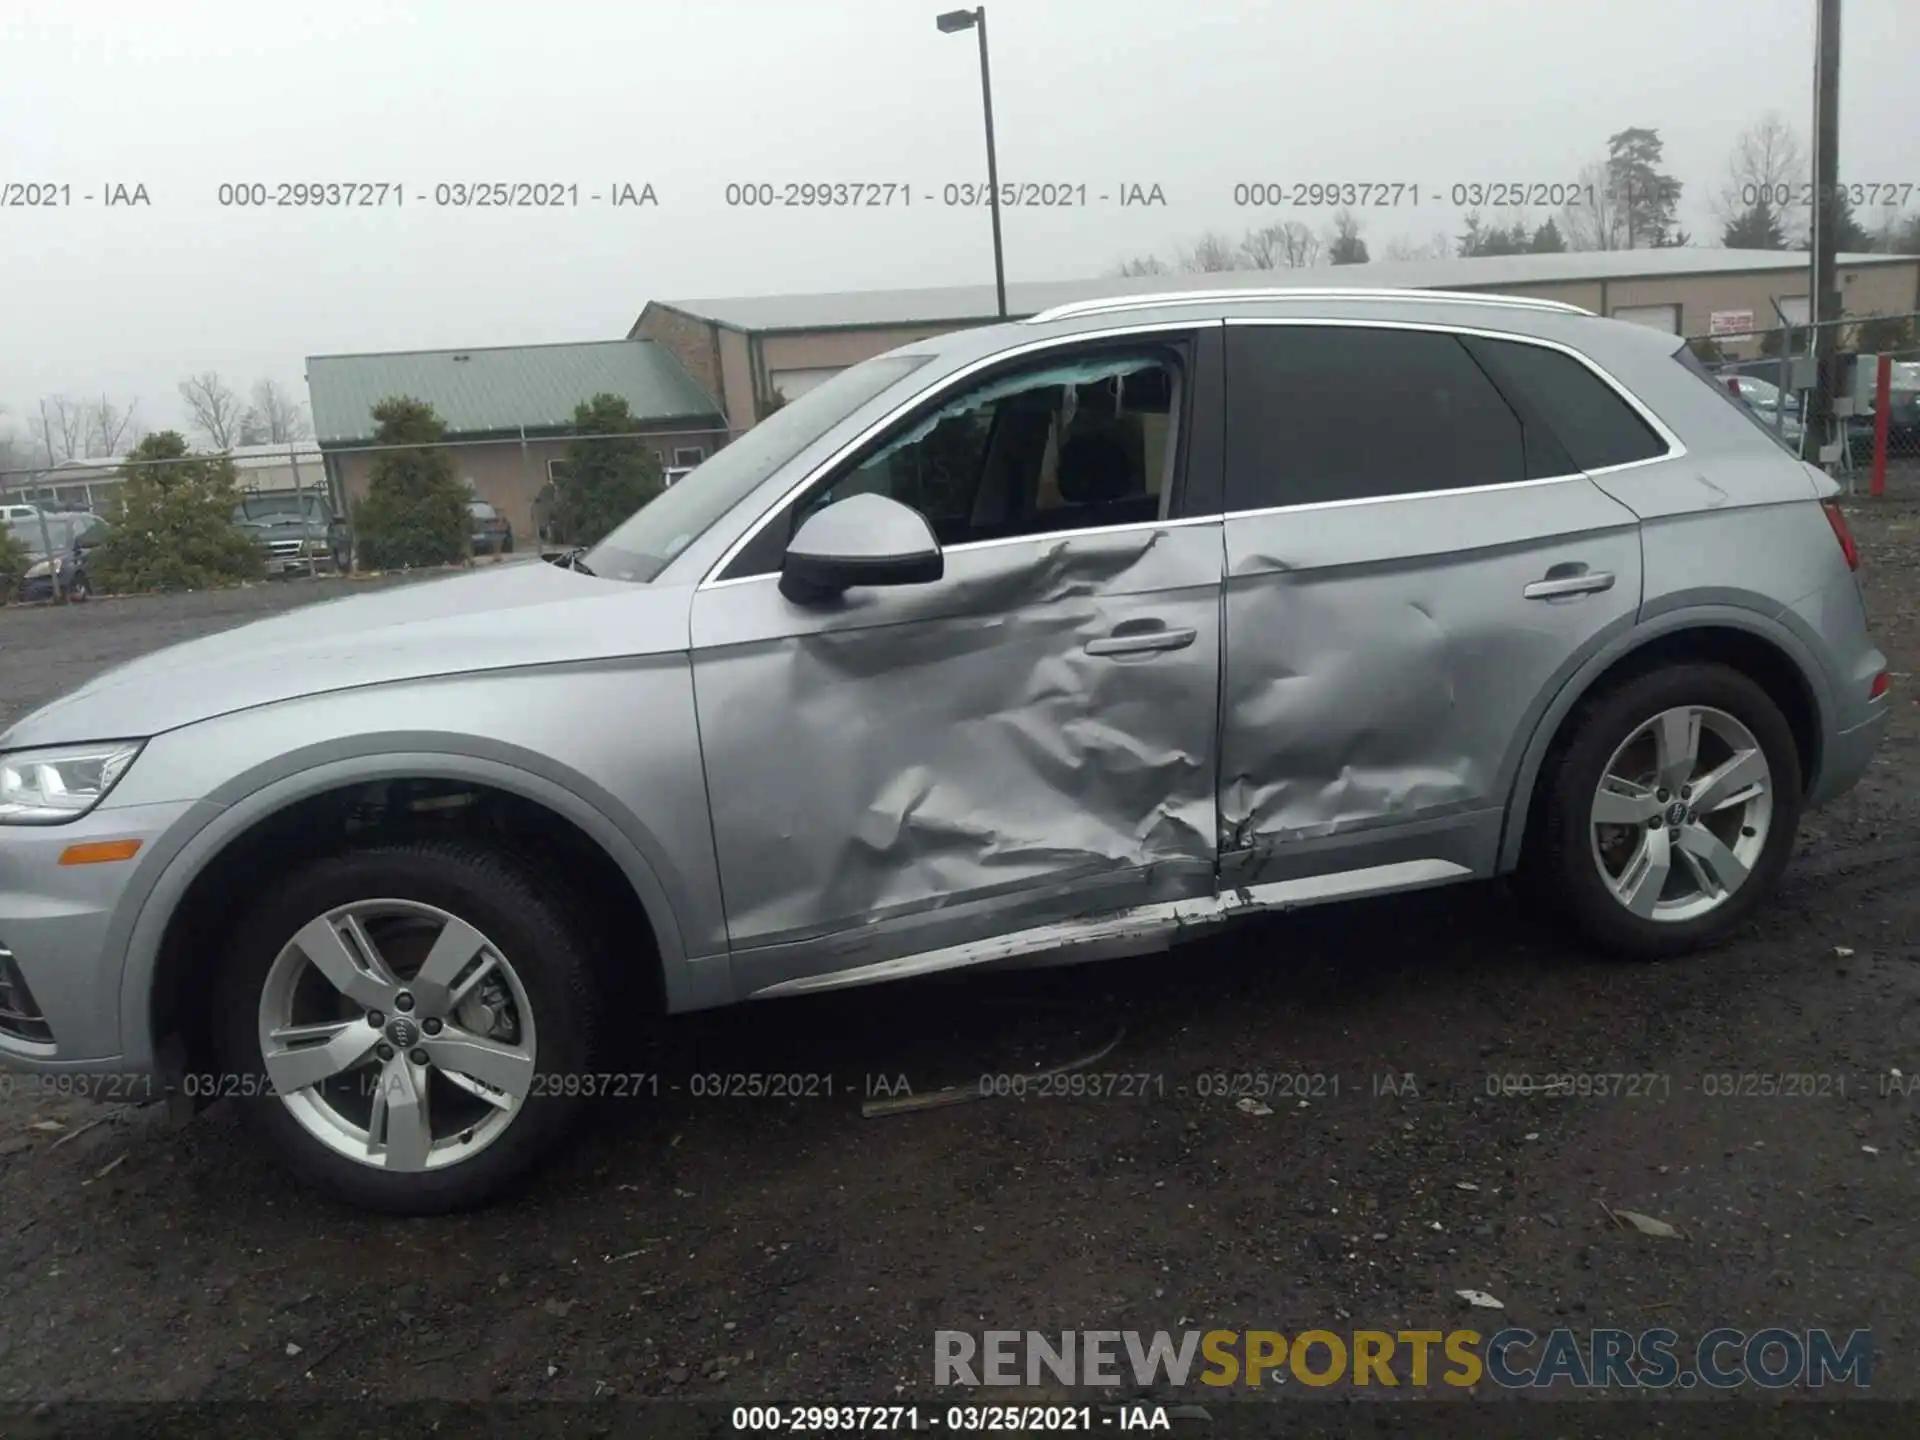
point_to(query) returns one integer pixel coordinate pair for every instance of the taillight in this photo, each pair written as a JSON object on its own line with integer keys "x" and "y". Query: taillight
{"x": 1879, "y": 686}
{"x": 1838, "y": 520}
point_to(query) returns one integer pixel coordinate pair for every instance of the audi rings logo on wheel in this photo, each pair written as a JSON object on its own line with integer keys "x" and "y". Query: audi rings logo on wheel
{"x": 404, "y": 1033}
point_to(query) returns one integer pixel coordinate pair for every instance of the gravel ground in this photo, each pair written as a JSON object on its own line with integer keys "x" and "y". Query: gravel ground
{"x": 756, "y": 1250}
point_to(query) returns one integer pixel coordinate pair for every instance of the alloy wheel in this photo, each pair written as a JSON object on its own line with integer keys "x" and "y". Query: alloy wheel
{"x": 1682, "y": 813}
{"x": 397, "y": 1034}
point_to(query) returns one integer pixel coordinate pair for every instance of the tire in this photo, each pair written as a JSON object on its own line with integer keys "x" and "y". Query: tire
{"x": 81, "y": 589}
{"x": 542, "y": 979}
{"x": 1580, "y": 869}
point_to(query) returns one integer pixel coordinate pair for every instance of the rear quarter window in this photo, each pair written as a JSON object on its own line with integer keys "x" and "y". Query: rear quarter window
{"x": 1691, "y": 363}
{"x": 1593, "y": 423}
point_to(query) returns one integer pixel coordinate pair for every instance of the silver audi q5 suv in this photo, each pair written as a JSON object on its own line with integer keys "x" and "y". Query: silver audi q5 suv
{"x": 1058, "y": 638}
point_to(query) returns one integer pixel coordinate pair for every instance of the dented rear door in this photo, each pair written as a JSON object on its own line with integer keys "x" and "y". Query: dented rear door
{"x": 1404, "y": 587}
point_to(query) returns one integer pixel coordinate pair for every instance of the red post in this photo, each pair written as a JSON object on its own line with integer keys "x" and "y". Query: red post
{"x": 1882, "y": 406}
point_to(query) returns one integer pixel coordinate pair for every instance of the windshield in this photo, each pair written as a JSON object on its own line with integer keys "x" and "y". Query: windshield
{"x": 27, "y": 531}
{"x": 287, "y": 506}
{"x": 643, "y": 545}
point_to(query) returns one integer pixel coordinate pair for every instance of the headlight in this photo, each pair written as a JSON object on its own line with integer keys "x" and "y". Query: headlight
{"x": 46, "y": 787}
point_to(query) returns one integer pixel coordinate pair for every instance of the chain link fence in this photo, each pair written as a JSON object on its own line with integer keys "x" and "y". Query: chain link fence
{"x": 67, "y": 531}
{"x": 1875, "y": 426}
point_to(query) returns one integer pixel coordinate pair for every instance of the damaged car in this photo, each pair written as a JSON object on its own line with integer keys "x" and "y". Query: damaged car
{"x": 1066, "y": 637}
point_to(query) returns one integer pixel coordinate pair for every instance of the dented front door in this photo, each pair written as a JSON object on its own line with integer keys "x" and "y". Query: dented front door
{"x": 1028, "y": 739}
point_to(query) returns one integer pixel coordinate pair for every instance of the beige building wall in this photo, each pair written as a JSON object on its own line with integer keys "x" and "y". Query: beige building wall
{"x": 736, "y": 366}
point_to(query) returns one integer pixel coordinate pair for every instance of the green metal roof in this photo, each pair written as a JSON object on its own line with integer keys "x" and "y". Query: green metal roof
{"x": 500, "y": 389}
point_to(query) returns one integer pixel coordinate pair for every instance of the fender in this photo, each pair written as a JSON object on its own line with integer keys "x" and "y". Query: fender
{"x": 1777, "y": 629}
{"x": 244, "y": 802}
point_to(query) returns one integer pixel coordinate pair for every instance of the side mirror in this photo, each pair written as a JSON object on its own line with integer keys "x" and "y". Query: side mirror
{"x": 862, "y": 540}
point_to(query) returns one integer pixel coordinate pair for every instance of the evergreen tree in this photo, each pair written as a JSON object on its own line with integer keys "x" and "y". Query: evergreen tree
{"x": 604, "y": 479}
{"x": 1755, "y": 228}
{"x": 173, "y": 526}
{"x": 1648, "y": 196}
{"x": 415, "y": 511}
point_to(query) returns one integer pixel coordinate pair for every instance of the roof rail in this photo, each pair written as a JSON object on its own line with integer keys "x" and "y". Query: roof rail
{"x": 1111, "y": 303}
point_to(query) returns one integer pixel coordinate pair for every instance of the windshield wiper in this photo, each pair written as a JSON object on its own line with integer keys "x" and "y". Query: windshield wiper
{"x": 573, "y": 560}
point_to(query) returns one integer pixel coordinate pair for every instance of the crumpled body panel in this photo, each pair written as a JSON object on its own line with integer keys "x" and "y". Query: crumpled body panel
{"x": 956, "y": 746}
{"x": 1383, "y": 659}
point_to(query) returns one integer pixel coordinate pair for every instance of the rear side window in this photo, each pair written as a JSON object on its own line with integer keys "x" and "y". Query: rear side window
{"x": 1692, "y": 362}
{"x": 1318, "y": 413}
{"x": 1594, "y": 425}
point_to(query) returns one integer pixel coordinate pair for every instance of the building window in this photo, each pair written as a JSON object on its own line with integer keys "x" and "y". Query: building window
{"x": 685, "y": 457}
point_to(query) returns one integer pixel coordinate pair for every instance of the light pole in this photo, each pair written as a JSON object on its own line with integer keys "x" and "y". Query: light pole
{"x": 951, "y": 23}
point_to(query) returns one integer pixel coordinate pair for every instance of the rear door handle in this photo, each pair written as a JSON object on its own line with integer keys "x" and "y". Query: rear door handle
{"x": 1140, "y": 641}
{"x": 1569, "y": 580}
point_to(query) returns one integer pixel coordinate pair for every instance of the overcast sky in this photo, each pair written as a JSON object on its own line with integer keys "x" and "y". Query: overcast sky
{"x": 182, "y": 96}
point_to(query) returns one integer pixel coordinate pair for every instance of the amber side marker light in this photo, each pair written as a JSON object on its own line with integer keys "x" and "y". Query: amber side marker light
{"x": 99, "y": 852}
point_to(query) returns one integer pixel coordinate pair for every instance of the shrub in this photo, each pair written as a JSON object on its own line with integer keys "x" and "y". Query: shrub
{"x": 173, "y": 524}
{"x": 13, "y": 564}
{"x": 415, "y": 511}
{"x": 603, "y": 481}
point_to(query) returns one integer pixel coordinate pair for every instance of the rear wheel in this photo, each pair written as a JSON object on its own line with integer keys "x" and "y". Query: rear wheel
{"x": 398, "y": 1021}
{"x": 1670, "y": 812}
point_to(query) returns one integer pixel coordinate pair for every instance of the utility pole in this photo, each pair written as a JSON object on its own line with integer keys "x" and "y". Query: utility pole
{"x": 1823, "y": 298}
{"x": 46, "y": 531}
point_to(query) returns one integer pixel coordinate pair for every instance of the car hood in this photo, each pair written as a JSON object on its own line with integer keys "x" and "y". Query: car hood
{"x": 498, "y": 618}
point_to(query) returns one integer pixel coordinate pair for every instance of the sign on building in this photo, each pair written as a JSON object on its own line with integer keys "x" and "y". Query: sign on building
{"x": 1730, "y": 322}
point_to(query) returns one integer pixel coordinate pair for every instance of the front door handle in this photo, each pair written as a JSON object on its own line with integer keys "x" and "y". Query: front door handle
{"x": 1136, "y": 638}
{"x": 1569, "y": 579}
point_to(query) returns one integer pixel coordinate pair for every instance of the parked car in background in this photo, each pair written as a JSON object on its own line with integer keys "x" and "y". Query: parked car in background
{"x": 1050, "y": 640}
{"x": 1763, "y": 397}
{"x": 64, "y": 568}
{"x": 491, "y": 532}
{"x": 18, "y": 512}
{"x": 297, "y": 529}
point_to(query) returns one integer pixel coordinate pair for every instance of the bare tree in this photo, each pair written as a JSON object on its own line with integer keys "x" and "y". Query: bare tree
{"x": 63, "y": 429}
{"x": 1437, "y": 246}
{"x": 215, "y": 408}
{"x": 1211, "y": 253}
{"x": 109, "y": 427}
{"x": 1597, "y": 219}
{"x": 16, "y": 447}
{"x": 1143, "y": 265}
{"x": 275, "y": 415}
{"x": 1287, "y": 246}
{"x": 1768, "y": 168}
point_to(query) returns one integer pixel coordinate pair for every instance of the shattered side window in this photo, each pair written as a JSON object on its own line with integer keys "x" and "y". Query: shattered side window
{"x": 1088, "y": 442}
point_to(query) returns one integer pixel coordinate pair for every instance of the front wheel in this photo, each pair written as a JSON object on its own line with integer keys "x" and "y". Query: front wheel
{"x": 395, "y": 1022}
{"x": 1670, "y": 812}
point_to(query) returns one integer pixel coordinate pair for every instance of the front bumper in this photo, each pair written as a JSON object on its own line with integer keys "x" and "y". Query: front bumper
{"x": 64, "y": 930}
{"x": 279, "y": 565}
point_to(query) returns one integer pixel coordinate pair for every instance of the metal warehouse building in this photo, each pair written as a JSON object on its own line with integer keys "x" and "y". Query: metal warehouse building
{"x": 746, "y": 350}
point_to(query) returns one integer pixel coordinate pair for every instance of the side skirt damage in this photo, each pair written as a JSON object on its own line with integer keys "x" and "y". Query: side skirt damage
{"x": 1139, "y": 930}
